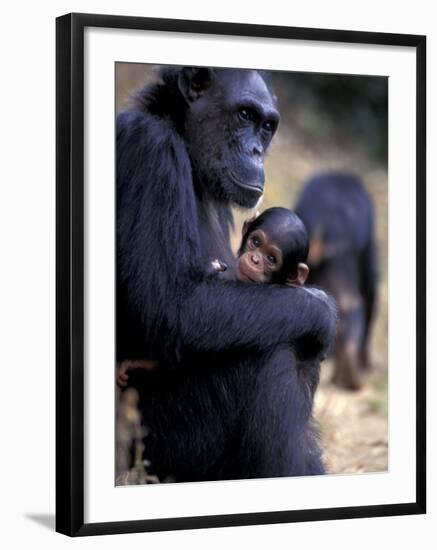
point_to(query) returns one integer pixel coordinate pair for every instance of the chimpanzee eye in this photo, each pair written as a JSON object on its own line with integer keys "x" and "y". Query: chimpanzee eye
{"x": 271, "y": 259}
{"x": 256, "y": 242}
{"x": 246, "y": 114}
{"x": 269, "y": 126}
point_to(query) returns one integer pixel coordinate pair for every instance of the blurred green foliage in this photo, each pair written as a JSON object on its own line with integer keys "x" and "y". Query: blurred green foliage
{"x": 338, "y": 107}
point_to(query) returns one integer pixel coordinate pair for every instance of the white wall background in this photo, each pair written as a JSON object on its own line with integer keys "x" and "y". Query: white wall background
{"x": 27, "y": 123}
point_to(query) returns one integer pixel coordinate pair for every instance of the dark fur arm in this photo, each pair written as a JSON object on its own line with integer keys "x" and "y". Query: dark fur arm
{"x": 228, "y": 315}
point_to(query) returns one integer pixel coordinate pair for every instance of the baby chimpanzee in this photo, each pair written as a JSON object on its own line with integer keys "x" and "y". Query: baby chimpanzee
{"x": 274, "y": 249}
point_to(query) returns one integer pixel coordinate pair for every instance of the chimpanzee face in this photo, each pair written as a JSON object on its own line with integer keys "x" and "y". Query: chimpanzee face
{"x": 229, "y": 124}
{"x": 259, "y": 259}
{"x": 273, "y": 249}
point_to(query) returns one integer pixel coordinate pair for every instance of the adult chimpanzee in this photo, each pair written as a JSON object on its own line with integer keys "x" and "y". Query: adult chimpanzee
{"x": 338, "y": 215}
{"x": 227, "y": 399}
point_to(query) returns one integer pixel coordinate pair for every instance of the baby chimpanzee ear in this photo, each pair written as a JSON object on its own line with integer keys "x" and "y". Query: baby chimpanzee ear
{"x": 246, "y": 223}
{"x": 301, "y": 275}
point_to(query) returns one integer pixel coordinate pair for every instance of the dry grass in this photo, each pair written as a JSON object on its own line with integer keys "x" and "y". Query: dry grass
{"x": 353, "y": 426}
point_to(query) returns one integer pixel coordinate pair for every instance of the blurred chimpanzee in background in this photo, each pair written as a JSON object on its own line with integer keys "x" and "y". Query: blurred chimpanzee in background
{"x": 338, "y": 214}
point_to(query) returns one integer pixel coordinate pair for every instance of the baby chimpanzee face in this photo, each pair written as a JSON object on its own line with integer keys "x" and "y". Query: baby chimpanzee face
{"x": 274, "y": 249}
{"x": 259, "y": 259}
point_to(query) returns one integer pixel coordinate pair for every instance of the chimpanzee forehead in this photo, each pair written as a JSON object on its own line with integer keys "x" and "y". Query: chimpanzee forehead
{"x": 245, "y": 85}
{"x": 278, "y": 228}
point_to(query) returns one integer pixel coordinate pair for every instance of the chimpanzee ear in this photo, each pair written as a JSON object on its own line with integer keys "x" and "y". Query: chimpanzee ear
{"x": 301, "y": 276}
{"x": 193, "y": 81}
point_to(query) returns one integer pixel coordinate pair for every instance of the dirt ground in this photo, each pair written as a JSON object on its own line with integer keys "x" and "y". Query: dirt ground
{"x": 353, "y": 425}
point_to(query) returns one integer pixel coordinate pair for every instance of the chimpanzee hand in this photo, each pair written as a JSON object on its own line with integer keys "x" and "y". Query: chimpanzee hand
{"x": 124, "y": 367}
{"x": 218, "y": 266}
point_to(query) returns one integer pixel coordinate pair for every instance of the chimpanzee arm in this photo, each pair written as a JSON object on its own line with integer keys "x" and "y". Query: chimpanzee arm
{"x": 160, "y": 265}
{"x": 227, "y": 315}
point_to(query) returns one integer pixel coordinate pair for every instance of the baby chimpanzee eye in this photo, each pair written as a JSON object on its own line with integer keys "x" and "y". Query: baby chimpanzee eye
{"x": 256, "y": 242}
{"x": 271, "y": 259}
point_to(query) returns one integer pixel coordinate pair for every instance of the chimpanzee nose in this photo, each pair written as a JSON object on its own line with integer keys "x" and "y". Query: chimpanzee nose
{"x": 255, "y": 259}
{"x": 257, "y": 150}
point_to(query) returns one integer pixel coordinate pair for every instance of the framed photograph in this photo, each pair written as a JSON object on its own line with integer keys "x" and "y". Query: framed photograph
{"x": 240, "y": 274}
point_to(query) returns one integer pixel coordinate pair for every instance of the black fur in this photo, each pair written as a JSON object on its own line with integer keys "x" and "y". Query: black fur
{"x": 228, "y": 399}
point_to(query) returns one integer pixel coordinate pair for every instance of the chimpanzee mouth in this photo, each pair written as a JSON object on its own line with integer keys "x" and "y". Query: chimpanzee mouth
{"x": 243, "y": 276}
{"x": 241, "y": 193}
{"x": 252, "y": 182}
{"x": 257, "y": 188}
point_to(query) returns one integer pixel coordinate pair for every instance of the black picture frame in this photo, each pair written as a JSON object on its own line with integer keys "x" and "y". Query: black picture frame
{"x": 70, "y": 273}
